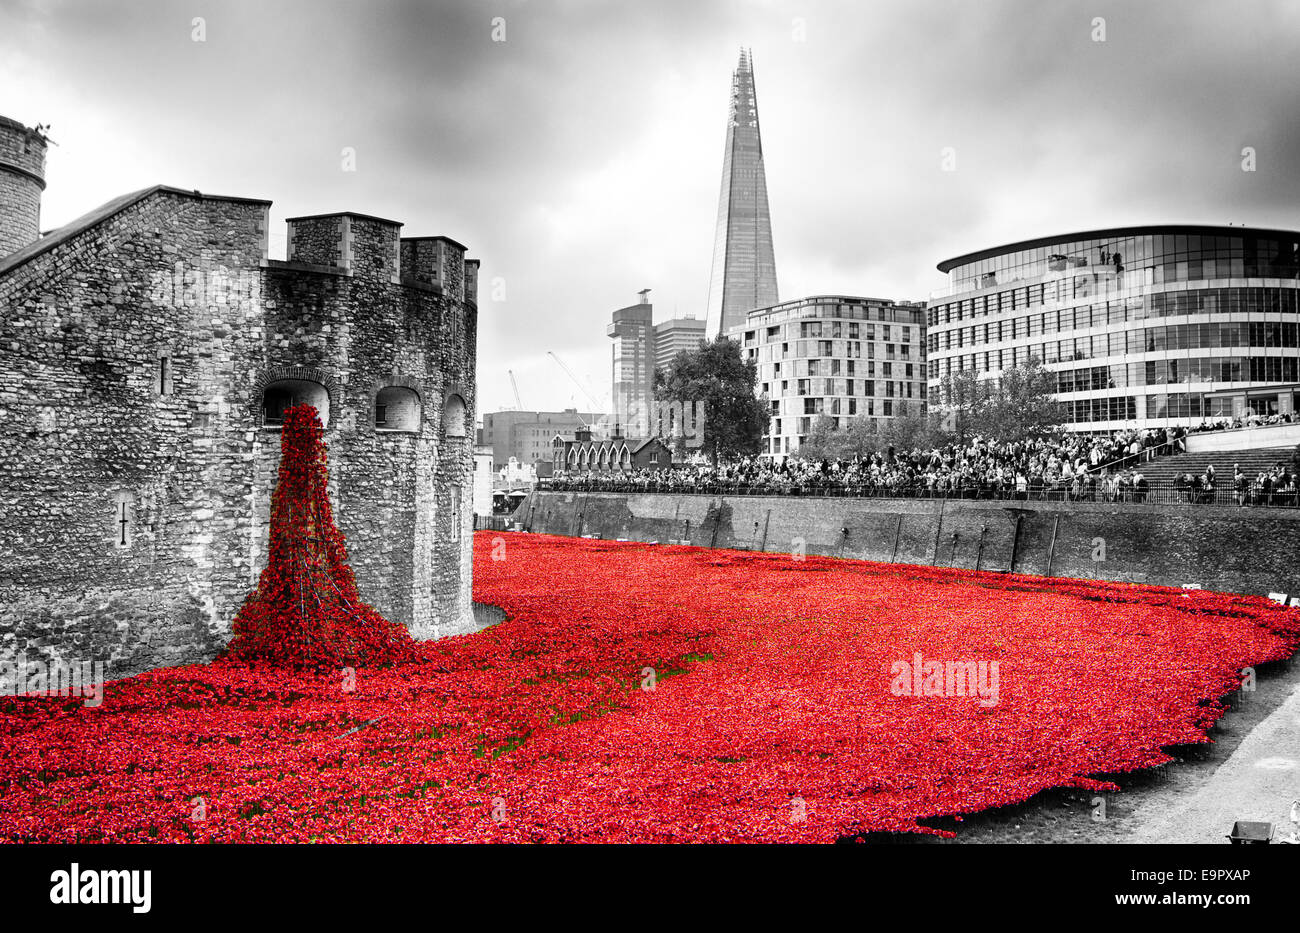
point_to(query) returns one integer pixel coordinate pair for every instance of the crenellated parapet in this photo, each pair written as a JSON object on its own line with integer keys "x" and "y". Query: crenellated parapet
{"x": 436, "y": 261}
{"x": 358, "y": 244}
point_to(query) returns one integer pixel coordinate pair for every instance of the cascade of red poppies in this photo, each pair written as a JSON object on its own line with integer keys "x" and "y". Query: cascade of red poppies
{"x": 306, "y": 611}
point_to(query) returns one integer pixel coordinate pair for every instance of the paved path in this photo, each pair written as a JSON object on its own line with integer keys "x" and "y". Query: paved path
{"x": 1259, "y": 781}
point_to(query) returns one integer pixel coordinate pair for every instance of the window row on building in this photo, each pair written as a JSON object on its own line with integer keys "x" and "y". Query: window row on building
{"x": 1190, "y": 406}
{"x": 1166, "y": 372}
{"x": 845, "y": 349}
{"x": 1280, "y": 335}
{"x": 868, "y": 388}
{"x": 1120, "y": 311}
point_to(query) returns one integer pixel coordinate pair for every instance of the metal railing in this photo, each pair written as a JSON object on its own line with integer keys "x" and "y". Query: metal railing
{"x": 1165, "y": 448}
{"x": 492, "y": 522}
{"x": 1164, "y": 492}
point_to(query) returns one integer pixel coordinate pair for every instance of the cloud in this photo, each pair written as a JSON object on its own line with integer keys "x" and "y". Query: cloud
{"x": 580, "y": 159}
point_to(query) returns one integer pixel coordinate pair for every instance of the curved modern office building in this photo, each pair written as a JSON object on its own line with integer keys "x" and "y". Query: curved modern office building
{"x": 1145, "y": 326}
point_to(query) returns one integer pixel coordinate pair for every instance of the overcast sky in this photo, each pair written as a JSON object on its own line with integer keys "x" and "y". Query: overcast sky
{"x": 580, "y": 159}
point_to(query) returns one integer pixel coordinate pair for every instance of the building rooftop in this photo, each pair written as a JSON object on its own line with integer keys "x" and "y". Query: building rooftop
{"x": 99, "y": 215}
{"x": 382, "y": 220}
{"x": 1116, "y": 232}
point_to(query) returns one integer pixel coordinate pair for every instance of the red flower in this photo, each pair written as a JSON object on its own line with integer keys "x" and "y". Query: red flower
{"x": 777, "y": 711}
{"x": 306, "y": 611}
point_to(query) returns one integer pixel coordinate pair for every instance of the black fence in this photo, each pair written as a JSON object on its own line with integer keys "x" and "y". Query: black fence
{"x": 491, "y": 522}
{"x": 1156, "y": 493}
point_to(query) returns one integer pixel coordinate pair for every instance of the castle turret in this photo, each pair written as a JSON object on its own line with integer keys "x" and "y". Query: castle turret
{"x": 362, "y": 245}
{"x": 439, "y": 261}
{"x": 22, "y": 179}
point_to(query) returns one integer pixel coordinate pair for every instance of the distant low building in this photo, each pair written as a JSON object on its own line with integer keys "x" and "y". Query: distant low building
{"x": 515, "y": 474}
{"x": 526, "y": 435}
{"x": 482, "y": 480}
{"x": 583, "y": 454}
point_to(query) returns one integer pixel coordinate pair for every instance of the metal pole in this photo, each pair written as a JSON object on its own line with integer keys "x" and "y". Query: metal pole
{"x": 934, "y": 562}
{"x": 1015, "y": 544}
{"x": 1051, "y": 548}
{"x": 898, "y": 528}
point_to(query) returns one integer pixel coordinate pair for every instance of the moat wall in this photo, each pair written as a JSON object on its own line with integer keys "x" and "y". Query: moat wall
{"x": 1218, "y": 548}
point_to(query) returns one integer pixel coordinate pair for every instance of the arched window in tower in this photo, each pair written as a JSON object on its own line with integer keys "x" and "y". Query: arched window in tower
{"x": 397, "y": 408}
{"x": 283, "y": 394}
{"x": 453, "y": 416}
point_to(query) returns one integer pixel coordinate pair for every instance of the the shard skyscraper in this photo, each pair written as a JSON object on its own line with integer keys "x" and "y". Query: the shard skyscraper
{"x": 744, "y": 268}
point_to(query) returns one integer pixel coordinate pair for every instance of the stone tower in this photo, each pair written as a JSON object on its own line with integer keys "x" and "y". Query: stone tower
{"x": 22, "y": 179}
{"x": 744, "y": 268}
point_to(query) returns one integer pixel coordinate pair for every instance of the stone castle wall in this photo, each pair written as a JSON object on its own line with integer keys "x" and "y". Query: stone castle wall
{"x": 1214, "y": 547}
{"x": 133, "y": 360}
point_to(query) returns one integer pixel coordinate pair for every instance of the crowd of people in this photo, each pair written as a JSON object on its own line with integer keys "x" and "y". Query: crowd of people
{"x": 1275, "y": 486}
{"x": 1093, "y": 467}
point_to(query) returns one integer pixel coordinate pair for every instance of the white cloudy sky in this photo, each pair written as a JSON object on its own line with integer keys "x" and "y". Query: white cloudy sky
{"x": 580, "y": 158}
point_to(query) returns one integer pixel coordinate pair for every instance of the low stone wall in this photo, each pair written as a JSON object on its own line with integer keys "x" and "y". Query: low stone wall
{"x": 1228, "y": 549}
{"x": 1276, "y": 435}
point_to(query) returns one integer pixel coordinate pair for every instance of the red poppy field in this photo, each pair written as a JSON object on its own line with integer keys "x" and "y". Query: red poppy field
{"x": 649, "y": 693}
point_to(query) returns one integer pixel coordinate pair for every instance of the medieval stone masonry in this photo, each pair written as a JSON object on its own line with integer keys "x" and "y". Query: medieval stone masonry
{"x": 147, "y": 352}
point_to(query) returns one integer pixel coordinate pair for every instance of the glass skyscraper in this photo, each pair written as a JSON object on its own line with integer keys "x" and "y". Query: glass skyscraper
{"x": 744, "y": 269}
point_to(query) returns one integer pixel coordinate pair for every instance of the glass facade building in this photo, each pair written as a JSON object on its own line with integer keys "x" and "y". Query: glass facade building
{"x": 744, "y": 264}
{"x": 834, "y": 355}
{"x": 1143, "y": 326}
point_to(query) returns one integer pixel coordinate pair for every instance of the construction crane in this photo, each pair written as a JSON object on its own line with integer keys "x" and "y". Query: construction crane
{"x": 595, "y": 406}
{"x": 519, "y": 406}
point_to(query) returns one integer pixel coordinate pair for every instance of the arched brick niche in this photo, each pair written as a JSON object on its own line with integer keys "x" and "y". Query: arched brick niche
{"x": 397, "y": 405}
{"x": 282, "y": 387}
{"x": 455, "y": 413}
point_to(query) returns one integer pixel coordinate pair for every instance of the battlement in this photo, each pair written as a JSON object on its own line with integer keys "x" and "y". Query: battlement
{"x": 435, "y": 260}
{"x": 471, "y": 281}
{"x": 357, "y": 243}
{"x": 363, "y": 245}
{"x": 22, "y": 179}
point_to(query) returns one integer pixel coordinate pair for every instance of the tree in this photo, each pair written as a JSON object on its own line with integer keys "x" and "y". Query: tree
{"x": 962, "y": 395}
{"x": 1017, "y": 405}
{"x": 715, "y": 373}
{"x": 913, "y": 428}
{"x": 824, "y": 440}
{"x": 1021, "y": 404}
{"x": 859, "y": 437}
